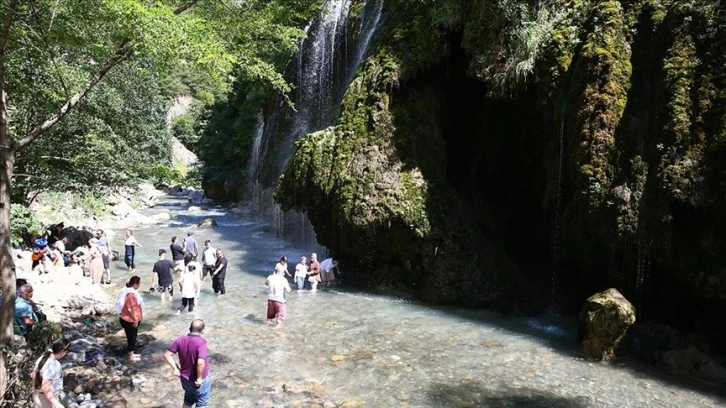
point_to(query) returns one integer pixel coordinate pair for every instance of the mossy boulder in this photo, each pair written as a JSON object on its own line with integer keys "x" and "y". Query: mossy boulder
{"x": 603, "y": 322}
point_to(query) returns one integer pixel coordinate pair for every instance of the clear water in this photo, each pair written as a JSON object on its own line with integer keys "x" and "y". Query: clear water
{"x": 342, "y": 347}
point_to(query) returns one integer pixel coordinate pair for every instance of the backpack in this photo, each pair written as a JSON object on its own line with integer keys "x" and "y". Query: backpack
{"x": 40, "y": 243}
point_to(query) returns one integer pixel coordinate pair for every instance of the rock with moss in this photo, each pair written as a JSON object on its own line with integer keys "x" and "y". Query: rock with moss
{"x": 603, "y": 322}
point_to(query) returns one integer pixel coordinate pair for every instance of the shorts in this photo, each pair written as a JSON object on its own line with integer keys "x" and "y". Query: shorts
{"x": 194, "y": 395}
{"x": 206, "y": 270}
{"x": 179, "y": 265}
{"x": 327, "y": 276}
{"x": 165, "y": 289}
{"x": 276, "y": 310}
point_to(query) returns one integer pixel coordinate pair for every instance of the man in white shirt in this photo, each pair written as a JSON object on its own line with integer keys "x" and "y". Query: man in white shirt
{"x": 209, "y": 257}
{"x": 277, "y": 287}
{"x": 326, "y": 270}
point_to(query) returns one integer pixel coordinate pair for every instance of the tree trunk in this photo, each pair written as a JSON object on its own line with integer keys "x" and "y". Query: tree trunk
{"x": 7, "y": 161}
{"x": 7, "y": 261}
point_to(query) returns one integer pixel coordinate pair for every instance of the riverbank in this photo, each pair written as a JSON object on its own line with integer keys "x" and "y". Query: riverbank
{"x": 94, "y": 369}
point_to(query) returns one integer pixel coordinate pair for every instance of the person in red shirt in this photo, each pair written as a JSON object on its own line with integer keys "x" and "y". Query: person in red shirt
{"x": 314, "y": 271}
{"x": 130, "y": 306}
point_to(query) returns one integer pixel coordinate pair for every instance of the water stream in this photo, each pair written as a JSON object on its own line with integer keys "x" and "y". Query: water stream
{"x": 343, "y": 347}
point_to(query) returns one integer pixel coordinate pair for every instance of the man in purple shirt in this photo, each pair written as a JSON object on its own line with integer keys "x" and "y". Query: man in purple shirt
{"x": 193, "y": 367}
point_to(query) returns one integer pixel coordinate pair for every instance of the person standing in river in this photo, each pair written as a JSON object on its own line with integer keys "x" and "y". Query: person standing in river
{"x": 191, "y": 251}
{"x": 326, "y": 270}
{"x": 281, "y": 266}
{"x": 301, "y": 272}
{"x": 209, "y": 257}
{"x": 130, "y": 306}
{"x": 314, "y": 272}
{"x": 177, "y": 255}
{"x": 193, "y": 366}
{"x": 219, "y": 273}
{"x": 189, "y": 287}
{"x": 162, "y": 273}
{"x": 130, "y": 245}
{"x": 277, "y": 288}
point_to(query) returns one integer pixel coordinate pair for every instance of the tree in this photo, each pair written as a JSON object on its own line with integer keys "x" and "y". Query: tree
{"x": 54, "y": 54}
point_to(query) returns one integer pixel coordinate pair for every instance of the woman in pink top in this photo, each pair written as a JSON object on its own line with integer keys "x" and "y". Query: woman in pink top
{"x": 130, "y": 306}
{"x": 95, "y": 265}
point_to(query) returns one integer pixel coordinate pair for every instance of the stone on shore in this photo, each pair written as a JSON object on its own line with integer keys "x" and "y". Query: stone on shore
{"x": 604, "y": 319}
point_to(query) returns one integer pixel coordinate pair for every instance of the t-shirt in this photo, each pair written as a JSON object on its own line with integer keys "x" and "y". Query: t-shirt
{"x": 301, "y": 270}
{"x": 163, "y": 268}
{"x": 210, "y": 256}
{"x": 53, "y": 371}
{"x": 191, "y": 348}
{"x": 103, "y": 241}
{"x": 281, "y": 268}
{"x": 131, "y": 302}
{"x": 23, "y": 308}
{"x": 223, "y": 262}
{"x": 191, "y": 245}
{"x": 327, "y": 265}
{"x": 131, "y": 241}
{"x": 189, "y": 282}
{"x": 177, "y": 252}
{"x": 276, "y": 287}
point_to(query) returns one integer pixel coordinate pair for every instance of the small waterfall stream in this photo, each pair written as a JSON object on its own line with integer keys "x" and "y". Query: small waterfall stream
{"x": 326, "y": 64}
{"x": 557, "y": 233}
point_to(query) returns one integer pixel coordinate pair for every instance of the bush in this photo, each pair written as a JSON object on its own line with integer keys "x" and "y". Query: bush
{"x": 22, "y": 223}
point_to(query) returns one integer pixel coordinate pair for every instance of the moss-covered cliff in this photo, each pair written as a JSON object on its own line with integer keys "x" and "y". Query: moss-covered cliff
{"x": 488, "y": 147}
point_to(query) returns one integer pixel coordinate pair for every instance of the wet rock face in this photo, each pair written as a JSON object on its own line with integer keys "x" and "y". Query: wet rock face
{"x": 604, "y": 319}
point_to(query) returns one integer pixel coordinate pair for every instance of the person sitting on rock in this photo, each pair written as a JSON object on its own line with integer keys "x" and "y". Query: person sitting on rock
{"x": 25, "y": 316}
{"x": 38, "y": 258}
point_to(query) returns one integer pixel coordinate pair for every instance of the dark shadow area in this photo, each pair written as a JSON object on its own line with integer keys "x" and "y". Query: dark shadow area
{"x": 475, "y": 394}
{"x": 554, "y": 332}
{"x": 255, "y": 319}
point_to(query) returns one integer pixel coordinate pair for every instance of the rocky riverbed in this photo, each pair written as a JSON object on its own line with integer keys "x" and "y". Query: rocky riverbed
{"x": 95, "y": 369}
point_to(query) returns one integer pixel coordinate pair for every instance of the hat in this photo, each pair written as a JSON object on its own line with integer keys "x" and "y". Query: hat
{"x": 190, "y": 233}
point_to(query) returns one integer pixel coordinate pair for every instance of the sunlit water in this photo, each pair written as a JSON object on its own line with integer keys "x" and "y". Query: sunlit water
{"x": 342, "y": 347}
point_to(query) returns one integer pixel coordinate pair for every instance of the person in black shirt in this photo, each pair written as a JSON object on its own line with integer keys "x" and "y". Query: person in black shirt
{"x": 177, "y": 255}
{"x": 219, "y": 272}
{"x": 162, "y": 270}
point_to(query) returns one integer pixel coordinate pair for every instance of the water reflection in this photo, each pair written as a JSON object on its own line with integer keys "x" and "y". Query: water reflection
{"x": 344, "y": 346}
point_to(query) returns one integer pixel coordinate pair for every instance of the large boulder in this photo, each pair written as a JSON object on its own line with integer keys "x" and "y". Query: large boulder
{"x": 604, "y": 319}
{"x": 207, "y": 222}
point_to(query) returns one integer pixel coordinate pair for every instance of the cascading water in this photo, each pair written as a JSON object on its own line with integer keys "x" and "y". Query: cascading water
{"x": 558, "y": 222}
{"x": 328, "y": 59}
{"x": 252, "y": 165}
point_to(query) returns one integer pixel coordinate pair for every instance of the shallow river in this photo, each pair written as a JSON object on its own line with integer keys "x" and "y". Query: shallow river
{"x": 341, "y": 347}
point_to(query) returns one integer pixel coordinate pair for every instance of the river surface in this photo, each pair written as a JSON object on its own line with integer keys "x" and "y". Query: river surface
{"x": 341, "y": 347}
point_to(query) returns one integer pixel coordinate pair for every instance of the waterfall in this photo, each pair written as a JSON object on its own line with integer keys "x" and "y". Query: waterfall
{"x": 556, "y": 238}
{"x": 253, "y": 163}
{"x": 326, "y": 64}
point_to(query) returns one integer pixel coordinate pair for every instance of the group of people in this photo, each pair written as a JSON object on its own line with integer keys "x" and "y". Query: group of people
{"x": 192, "y": 367}
{"x": 50, "y": 253}
{"x": 184, "y": 262}
{"x": 190, "y": 270}
{"x": 314, "y": 272}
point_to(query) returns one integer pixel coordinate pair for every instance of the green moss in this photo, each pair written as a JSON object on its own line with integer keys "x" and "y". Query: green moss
{"x": 353, "y": 167}
{"x": 602, "y": 81}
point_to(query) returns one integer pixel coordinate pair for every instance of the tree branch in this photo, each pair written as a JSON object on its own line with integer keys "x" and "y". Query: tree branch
{"x": 122, "y": 52}
{"x": 7, "y": 22}
{"x": 186, "y": 6}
